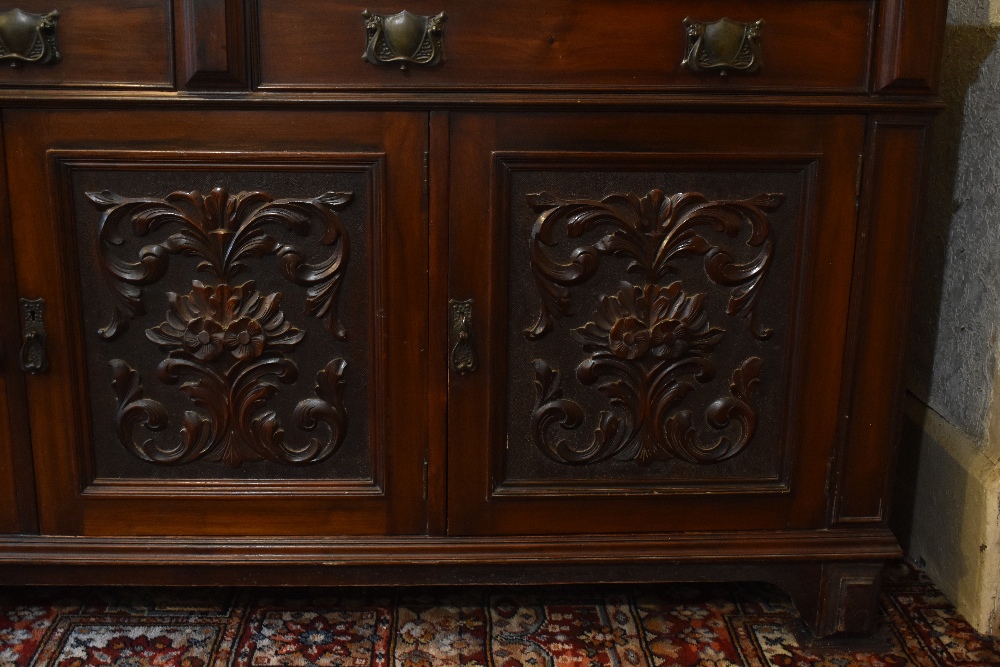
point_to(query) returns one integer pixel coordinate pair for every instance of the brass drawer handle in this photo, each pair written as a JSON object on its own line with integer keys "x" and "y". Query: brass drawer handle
{"x": 463, "y": 353}
{"x": 404, "y": 38}
{"x": 29, "y": 38}
{"x": 723, "y": 46}
{"x": 34, "y": 357}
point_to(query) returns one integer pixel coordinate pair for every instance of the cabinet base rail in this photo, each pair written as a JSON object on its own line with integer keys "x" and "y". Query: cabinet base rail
{"x": 833, "y": 576}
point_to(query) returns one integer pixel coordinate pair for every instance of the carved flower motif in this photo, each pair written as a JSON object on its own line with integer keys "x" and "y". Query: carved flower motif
{"x": 680, "y": 324}
{"x": 203, "y": 338}
{"x": 629, "y": 338}
{"x": 245, "y": 338}
{"x": 212, "y": 319}
{"x": 662, "y": 321}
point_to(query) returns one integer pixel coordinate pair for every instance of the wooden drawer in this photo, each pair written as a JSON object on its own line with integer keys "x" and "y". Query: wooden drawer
{"x": 104, "y": 43}
{"x": 812, "y": 45}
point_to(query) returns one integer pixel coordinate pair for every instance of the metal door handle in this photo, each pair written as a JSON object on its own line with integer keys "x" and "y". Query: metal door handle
{"x": 34, "y": 357}
{"x": 463, "y": 352}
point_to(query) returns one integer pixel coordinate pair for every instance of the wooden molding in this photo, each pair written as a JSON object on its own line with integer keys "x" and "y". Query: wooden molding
{"x": 908, "y": 46}
{"x": 211, "y": 44}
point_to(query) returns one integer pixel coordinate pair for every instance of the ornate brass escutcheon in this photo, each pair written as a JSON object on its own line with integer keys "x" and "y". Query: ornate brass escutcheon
{"x": 34, "y": 358}
{"x": 28, "y": 38}
{"x": 723, "y": 46}
{"x": 463, "y": 354}
{"x": 404, "y": 38}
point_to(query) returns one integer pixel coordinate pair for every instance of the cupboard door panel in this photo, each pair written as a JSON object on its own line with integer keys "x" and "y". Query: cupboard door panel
{"x": 661, "y": 324}
{"x": 223, "y": 351}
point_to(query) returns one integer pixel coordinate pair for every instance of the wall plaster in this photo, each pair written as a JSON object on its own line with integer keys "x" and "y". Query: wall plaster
{"x": 948, "y": 500}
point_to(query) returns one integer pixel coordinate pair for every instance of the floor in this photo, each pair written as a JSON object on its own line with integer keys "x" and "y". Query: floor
{"x": 713, "y": 625}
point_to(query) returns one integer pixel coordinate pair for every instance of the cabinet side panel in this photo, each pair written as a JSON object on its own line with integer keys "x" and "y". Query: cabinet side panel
{"x": 880, "y": 313}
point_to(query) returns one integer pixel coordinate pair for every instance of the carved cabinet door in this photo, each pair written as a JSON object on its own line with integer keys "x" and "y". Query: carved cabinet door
{"x": 648, "y": 315}
{"x": 229, "y": 317}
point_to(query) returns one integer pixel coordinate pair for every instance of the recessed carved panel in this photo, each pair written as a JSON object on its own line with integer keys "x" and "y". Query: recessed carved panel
{"x": 649, "y": 343}
{"x": 227, "y": 320}
{"x": 651, "y": 314}
{"x": 227, "y": 341}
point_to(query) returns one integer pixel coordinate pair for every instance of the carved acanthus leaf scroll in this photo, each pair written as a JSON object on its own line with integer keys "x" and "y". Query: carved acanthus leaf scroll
{"x": 649, "y": 346}
{"x": 652, "y": 232}
{"x": 228, "y": 344}
{"x": 222, "y": 230}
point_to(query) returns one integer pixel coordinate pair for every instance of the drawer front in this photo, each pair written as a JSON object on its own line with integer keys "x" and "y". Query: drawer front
{"x": 818, "y": 45}
{"x": 103, "y": 43}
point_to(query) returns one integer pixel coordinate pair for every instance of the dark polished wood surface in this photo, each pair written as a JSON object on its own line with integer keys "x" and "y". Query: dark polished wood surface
{"x": 685, "y": 287}
{"x": 76, "y": 495}
{"x": 817, "y": 45}
{"x": 105, "y": 44}
{"x": 817, "y": 246}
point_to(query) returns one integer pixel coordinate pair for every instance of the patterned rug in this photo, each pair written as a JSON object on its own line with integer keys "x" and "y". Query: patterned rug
{"x": 717, "y": 625}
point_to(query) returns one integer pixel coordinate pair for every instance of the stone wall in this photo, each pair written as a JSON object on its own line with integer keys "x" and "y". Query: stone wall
{"x": 948, "y": 503}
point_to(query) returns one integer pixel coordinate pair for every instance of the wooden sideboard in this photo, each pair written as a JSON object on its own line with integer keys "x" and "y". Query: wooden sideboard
{"x": 575, "y": 291}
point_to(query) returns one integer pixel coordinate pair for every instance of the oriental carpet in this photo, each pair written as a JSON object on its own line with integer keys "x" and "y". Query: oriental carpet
{"x": 705, "y": 625}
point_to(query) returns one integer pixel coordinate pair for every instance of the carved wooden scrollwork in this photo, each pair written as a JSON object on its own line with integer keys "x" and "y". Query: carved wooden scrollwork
{"x": 649, "y": 345}
{"x": 227, "y": 344}
{"x": 223, "y": 230}
{"x": 246, "y": 334}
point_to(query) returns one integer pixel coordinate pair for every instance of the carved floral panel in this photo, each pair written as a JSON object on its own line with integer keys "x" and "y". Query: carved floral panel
{"x": 229, "y": 341}
{"x": 216, "y": 314}
{"x": 642, "y": 331}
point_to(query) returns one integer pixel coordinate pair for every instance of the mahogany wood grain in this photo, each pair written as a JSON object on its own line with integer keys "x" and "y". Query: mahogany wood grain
{"x": 909, "y": 46}
{"x": 438, "y": 159}
{"x": 478, "y": 251}
{"x": 880, "y": 309}
{"x": 425, "y": 100}
{"x": 849, "y": 598}
{"x": 859, "y": 543}
{"x": 798, "y": 578}
{"x": 10, "y": 521}
{"x": 71, "y": 500}
{"x": 567, "y": 44}
{"x": 104, "y": 44}
{"x": 211, "y": 44}
{"x": 17, "y": 488}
